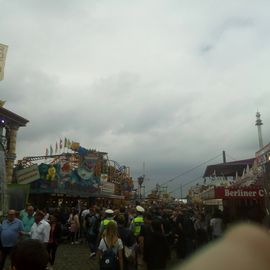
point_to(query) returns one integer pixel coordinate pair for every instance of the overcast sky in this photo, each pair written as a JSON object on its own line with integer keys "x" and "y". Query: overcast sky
{"x": 171, "y": 83}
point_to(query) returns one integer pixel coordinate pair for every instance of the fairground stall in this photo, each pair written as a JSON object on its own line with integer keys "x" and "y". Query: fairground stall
{"x": 237, "y": 203}
{"x": 236, "y": 189}
{"x": 78, "y": 176}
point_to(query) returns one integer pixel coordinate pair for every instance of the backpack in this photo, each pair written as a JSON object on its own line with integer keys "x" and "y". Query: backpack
{"x": 109, "y": 259}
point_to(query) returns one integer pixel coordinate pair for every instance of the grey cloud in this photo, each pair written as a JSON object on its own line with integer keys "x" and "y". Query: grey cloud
{"x": 173, "y": 85}
{"x": 225, "y": 26}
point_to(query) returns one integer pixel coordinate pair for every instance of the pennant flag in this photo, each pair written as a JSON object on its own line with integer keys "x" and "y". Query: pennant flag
{"x": 65, "y": 143}
{"x": 56, "y": 147}
{"x": 51, "y": 150}
{"x": 3, "y": 53}
{"x": 61, "y": 144}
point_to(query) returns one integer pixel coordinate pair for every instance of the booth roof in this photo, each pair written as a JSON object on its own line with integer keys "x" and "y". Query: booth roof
{"x": 228, "y": 168}
{"x": 72, "y": 193}
{"x": 12, "y": 118}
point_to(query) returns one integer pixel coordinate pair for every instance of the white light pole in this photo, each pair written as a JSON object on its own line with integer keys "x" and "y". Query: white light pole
{"x": 259, "y": 123}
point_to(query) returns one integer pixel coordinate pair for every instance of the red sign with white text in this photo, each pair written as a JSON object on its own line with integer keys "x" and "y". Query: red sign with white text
{"x": 238, "y": 193}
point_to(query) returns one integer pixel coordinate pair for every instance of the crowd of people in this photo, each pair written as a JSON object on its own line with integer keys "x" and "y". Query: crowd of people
{"x": 127, "y": 237}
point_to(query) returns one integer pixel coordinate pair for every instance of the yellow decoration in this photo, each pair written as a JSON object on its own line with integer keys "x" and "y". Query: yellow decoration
{"x": 51, "y": 173}
{"x": 74, "y": 146}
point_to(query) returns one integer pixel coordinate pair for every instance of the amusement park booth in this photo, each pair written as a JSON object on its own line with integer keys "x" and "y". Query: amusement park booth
{"x": 237, "y": 203}
{"x": 241, "y": 198}
{"x": 79, "y": 178}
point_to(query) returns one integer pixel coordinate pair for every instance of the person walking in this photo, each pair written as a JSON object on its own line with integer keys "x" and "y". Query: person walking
{"x": 216, "y": 224}
{"x": 11, "y": 229}
{"x": 54, "y": 239}
{"x": 29, "y": 254}
{"x": 24, "y": 211}
{"x": 110, "y": 249}
{"x": 137, "y": 222}
{"x": 200, "y": 227}
{"x": 74, "y": 226}
{"x": 156, "y": 249}
{"x": 108, "y": 218}
{"x": 40, "y": 230}
{"x": 92, "y": 223}
{"x": 128, "y": 242}
{"x": 28, "y": 220}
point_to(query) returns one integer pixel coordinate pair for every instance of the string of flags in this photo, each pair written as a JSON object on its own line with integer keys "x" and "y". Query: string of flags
{"x": 59, "y": 146}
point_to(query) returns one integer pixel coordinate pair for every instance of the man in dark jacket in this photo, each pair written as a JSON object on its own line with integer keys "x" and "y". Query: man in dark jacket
{"x": 156, "y": 248}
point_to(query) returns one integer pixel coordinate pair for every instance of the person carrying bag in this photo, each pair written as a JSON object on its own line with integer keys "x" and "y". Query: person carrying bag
{"x": 110, "y": 249}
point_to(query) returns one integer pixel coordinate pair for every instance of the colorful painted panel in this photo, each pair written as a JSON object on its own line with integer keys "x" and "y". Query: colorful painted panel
{"x": 64, "y": 177}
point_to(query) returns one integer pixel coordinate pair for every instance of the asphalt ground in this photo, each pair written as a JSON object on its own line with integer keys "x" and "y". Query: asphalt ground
{"x": 74, "y": 257}
{"x": 77, "y": 257}
{"x": 71, "y": 257}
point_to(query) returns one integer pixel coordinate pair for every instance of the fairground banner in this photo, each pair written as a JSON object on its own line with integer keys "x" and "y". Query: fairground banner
{"x": 107, "y": 187}
{"x": 27, "y": 175}
{"x": 239, "y": 193}
{"x": 233, "y": 193}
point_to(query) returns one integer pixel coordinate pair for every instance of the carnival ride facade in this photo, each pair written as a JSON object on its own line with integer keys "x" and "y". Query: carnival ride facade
{"x": 78, "y": 172}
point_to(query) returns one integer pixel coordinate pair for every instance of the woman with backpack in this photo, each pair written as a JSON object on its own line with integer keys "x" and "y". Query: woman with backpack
{"x": 110, "y": 250}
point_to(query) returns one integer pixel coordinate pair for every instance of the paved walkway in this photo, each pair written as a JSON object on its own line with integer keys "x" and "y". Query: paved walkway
{"x": 76, "y": 257}
{"x": 71, "y": 257}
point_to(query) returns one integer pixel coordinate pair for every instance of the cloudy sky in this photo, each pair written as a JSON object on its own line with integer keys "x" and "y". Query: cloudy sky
{"x": 170, "y": 83}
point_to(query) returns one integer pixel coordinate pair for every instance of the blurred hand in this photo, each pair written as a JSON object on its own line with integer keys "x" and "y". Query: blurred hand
{"x": 244, "y": 247}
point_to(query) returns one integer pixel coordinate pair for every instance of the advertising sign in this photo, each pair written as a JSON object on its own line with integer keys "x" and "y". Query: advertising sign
{"x": 239, "y": 193}
{"x": 208, "y": 194}
{"x": 28, "y": 175}
{"x": 107, "y": 187}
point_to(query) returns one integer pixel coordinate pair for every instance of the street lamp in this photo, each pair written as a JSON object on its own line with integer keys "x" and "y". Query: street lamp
{"x": 140, "y": 182}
